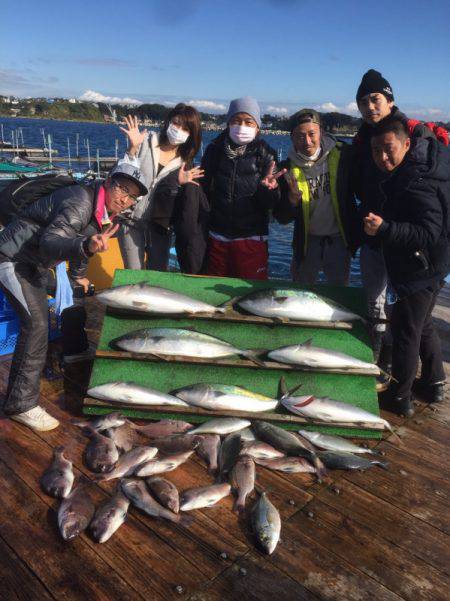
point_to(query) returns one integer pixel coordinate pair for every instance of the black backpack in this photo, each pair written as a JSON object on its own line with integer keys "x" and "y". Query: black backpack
{"x": 23, "y": 192}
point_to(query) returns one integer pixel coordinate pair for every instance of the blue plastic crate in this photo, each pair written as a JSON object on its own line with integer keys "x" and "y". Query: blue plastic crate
{"x": 9, "y": 325}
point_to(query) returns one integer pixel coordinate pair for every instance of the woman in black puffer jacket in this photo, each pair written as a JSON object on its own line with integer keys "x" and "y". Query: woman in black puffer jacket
{"x": 241, "y": 189}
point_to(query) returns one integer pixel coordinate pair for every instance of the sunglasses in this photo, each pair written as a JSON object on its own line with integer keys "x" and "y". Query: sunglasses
{"x": 115, "y": 184}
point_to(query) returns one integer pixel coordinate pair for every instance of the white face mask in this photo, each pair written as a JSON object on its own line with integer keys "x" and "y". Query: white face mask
{"x": 176, "y": 135}
{"x": 242, "y": 134}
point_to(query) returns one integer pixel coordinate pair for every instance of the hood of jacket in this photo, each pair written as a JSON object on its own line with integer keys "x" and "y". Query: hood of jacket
{"x": 430, "y": 159}
{"x": 328, "y": 142}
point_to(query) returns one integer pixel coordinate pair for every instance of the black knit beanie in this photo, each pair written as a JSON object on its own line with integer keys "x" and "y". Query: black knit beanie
{"x": 373, "y": 82}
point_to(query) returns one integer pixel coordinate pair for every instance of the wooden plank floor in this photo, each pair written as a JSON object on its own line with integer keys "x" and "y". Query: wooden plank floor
{"x": 381, "y": 535}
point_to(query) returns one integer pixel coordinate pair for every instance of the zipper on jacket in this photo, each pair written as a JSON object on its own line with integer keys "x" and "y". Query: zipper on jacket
{"x": 233, "y": 181}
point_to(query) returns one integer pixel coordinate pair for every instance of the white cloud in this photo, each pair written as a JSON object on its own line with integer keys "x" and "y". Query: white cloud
{"x": 208, "y": 105}
{"x": 91, "y": 96}
{"x": 276, "y": 110}
{"x": 351, "y": 107}
{"x": 329, "y": 107}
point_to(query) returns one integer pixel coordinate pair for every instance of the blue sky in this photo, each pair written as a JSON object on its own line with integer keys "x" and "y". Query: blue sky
{"x": 286, "y": 53}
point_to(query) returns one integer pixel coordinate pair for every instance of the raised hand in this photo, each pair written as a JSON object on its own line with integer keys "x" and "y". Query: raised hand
{"x": 99, "y": 242}
{"x": 131, "y": 130}
{"x": 295, "y": 194}
{"x": 189, "y": 176}
{"x": 270, "y": 180}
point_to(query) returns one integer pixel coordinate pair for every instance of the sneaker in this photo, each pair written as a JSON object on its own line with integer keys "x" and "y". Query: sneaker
{"x": 37, "y": 419}
{"x": 86, "y": 355}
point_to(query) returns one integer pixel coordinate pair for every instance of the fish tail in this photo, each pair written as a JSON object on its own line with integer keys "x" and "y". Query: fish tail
{"x": 254, "y": 355}
{"x": 321, "y": 470}
{"x": 239, "y": 505}
{"x": 382, "y": 464}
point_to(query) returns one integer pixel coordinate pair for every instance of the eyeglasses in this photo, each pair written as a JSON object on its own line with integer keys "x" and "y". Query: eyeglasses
{"x": 115, "y": 184}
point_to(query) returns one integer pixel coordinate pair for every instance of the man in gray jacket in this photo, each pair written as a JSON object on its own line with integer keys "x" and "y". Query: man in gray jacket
{"x": 67, "y": 225}
{"x": 316, "y": 194}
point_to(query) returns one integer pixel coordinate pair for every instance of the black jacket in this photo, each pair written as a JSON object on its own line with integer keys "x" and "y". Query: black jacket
{"x": 239, "y": 204}
{"x": 415, "y": 210}
{"x": 285, "y": 212}
{"x": 164, "y": 200}
{"x": 190, "y": 221}
{"x": 366, "y": 177}
{"x": 54, "y": 228}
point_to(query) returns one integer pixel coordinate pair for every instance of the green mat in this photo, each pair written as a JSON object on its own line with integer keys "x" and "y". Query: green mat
{"x": 358, "y": 390}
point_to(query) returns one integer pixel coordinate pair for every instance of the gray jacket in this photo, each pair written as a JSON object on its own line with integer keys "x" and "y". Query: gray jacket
{"x": 147, "y": 161}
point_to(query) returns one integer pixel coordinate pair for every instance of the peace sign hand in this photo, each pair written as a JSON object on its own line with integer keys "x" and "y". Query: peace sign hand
{"x": 99, "y": 242}
{"x": 135, "y": 137}
{"x": 295, "y": 194}
{"x": 270, "y": 181}
{"x": 189, "y": 176}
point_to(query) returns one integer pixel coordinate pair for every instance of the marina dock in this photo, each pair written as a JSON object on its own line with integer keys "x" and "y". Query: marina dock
{"x": 382, "y": 534}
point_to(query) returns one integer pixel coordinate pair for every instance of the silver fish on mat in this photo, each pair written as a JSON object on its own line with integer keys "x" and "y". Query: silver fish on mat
{"x": 161, "y": 465}
{"x": 155, "y": 300}
{"x": 260, "y": 450}
{"x": 75, "y": 513}
{"x": 242, "y": 479}
{"x": 180, "y": 342}
{"x": 329, "y": 442}
{"x": 287, "y": 442}
{"x": 165, "y": 427}
{"x": 307, "y": 355}
{"x": 128, "y": 462}
{"x": 165, "y": 492}
{"x": 208, "y": 450}
{"x": 109, "y": 517}
{"x": 292, "y": 304}
{"x": 101, "y": 454}
{"x": 133, "y": 394}
{"x": 57, "y": 480}
{"x": 204, "y": 496}
{"x": 221, "y": 426}
{"x": 290, "y": 465}
{"x": 225, "y": 397}
{"x": 138, "y": 494}
{"x": 348, "y": 461}
{"x": 102, "y": 422}
{"x": 266, "y": 523}
{"x": 330, "y": 411}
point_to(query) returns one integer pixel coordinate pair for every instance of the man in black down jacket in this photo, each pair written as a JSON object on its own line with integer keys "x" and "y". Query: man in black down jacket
{"x": 413, "y": 228}
{"x": 63, "y": 226}
{"x": 241, "y": 189}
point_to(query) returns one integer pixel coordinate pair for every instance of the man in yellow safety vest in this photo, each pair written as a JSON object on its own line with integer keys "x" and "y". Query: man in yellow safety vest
{"x": 316, "y": 194}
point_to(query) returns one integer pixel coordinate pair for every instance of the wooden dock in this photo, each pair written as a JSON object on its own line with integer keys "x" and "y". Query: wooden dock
{"x": 380, "y": 535}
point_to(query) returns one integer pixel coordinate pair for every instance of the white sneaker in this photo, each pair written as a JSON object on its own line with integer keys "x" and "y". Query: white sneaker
{"x": 37, "y": 419}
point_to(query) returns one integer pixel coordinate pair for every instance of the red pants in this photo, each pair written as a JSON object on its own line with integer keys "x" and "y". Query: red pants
{"x": 238, "y": 258}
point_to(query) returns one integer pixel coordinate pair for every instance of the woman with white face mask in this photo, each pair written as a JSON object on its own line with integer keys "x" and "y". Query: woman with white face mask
{"x": 242, "y": 188}
{"x": 166, "y": 160}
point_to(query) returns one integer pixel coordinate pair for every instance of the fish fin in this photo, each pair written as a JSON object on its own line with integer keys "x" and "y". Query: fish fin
{"x": 279, "y": 319}
{"x": 307, "y": 342}
{"x": 294, "y": 389}
{"x": 321, "y": 470}
{"x": 76, "y": 422}
{"x": 228, "y": 304}
{"x": 280, "y": 299}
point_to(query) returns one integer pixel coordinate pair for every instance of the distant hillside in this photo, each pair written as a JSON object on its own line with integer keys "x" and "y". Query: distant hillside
{"x": 74, "y": 110}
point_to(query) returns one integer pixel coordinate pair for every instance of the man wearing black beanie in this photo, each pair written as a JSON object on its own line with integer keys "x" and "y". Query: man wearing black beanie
{"x": 375, "y": 99}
